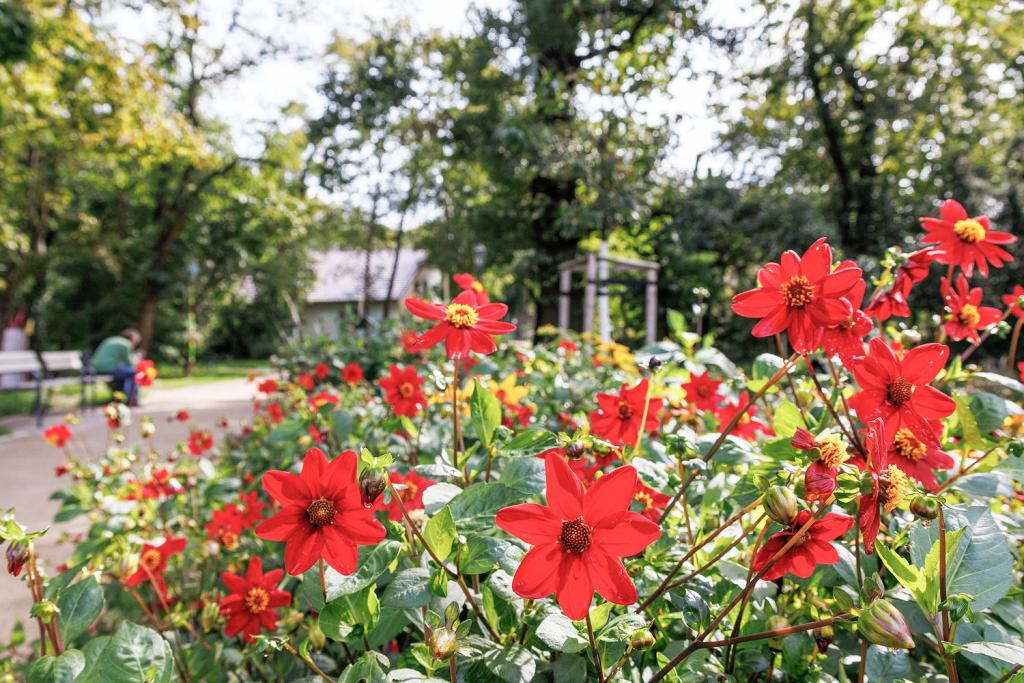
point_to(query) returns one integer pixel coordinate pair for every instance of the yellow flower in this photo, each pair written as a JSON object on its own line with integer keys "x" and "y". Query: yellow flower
{"x": 616, "y": 355}
{"x": 445, "y": 398}
{"x": 507, "y": 391}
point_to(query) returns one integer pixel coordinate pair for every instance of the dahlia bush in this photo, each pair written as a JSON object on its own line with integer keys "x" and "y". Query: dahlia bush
{"x": 434, "y": 502}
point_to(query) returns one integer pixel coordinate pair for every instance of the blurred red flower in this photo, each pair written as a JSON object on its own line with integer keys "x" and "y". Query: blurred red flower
{"x": 323, "y": 398}
{"x": 410, "y": 488}
{"x": 748, "y": 425}
{"x": 801, "y": 295}
{"x": 251, "y": 603}
{"x": 966, "y": 242}
{"x": 153, "y": 562}
{"x": 463, "y": 325}
{"x": 321, "y": 370}
{"x": 579, "y": 538}
{"x": 409, "y": 339}
{"x": 892, "y": 301}
{"x": 1015, "y": 301}
{"x": 352, "y": 373}
{"x": 145, "y": 373}
{"x": 57, "y": 435}
{"x": 322, "y": 515}
{"x": 305, "y": 381}
{"x": 471, "y": 284}
{"x": 267, "y": 386}
{"x": 199, "y": 442}
{"x": 702, "y": 391}
{"x": 402, "y": 390}
{"x": 966, "y": 314}
{"x": 618, "y": 418}
{"x": 846, "y": 339}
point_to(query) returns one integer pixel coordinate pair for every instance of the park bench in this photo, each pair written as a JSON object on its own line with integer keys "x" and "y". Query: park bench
{"x": 48, "y": 369}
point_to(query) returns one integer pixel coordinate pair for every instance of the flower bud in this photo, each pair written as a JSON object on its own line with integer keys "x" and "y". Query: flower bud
{"x": 147, "y": 428}
{"x": 372, "y": 483}
{"x": 442, "y": 643}
{"x": 317, "y": 638}
{"x": 925, "y": 507}
{"x": 882, "y": 624}
{"x": 642, "y": 640}
{"x": 910, "y": 338}
{"x": 17, "y": 556}
{"x": 780, "y": 504}
{"x": 575, "y": 450}
{"x": 823, "y": 636}
{"x": 653, "y": 364}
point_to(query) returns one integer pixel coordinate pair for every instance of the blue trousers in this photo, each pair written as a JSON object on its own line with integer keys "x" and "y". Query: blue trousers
{"x": 124, "y": 381}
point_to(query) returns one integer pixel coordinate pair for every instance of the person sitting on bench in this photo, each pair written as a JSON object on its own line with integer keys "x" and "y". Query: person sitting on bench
{"x": 114, "y": 357}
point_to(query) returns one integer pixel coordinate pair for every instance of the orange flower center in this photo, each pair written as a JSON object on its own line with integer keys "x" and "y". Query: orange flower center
{"x": 899, "y": 392}
{"x": 478, "y": 286}
{"x": 893, "y": 488}
{"x": 406, "y": 389}
{"x": 969, "y": 231}
{"x": 410, "y": 490}
{"x": 257, "y": 600}
{"x": 461, "y": 315}
{"x": 909, "y": 446}
{"x": 229, "y": 539}
{"x": 833, "y": 451}
{"x": 625, "y": 410}
{"x": 969, "y": 316}
{"x": 151, "y": 560}
{"x": 798, "y": 292}
{"x": 644, "y": 499}
{"x": 320, "y": 512}
{"x": 575, "y": 535}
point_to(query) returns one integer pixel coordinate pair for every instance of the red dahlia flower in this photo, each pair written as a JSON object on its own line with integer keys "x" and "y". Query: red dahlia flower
{"x": 305, "y": 381}
{"x": 58, "y": 435}
{"x": 889, "y": 484}
{"x": 352, "y": 373}
{"x": 323, "y": 398}
{"x": 254, "y": 508}
{"x": 578, "y": 538}
{"x": 471, "y": 284}
{"x": 813, "y": 549}
{"x": 199, "y": 442}
{"x": 225, "y": 526}
{"x": 702, "y": 391}
{"x": 1015, "y": 301}
{"x": 846, "y": 339}
{"x": 587, "y": 474}
{"x": 321, "y": 370}
{"x": 153, "y": 562}
{"x": 181, "y": 416}
{"x": 748, "y": 425}
{"x": 322, "y": 515}
{"x": 252, "y": 601}
{"x": 897, "y": 390}
{"x": 892, "y": 301}
{"x": 653, "y": 502}
{"x": 145, "y": 373}
{"x": 917, "y": 458}
{"x": 966, "y": 315}
{"x": 618, "y": 418}
{"x": 402, "y": 390}
{"x": 409, "y": 339}
{"x": 966, "y": 242}
{"x": 410, "y": 489}
{"x": 802, "y": 295}
{"x": 267, "y": 386}
{"x": 465, "y": 325}
{"x": 275, "y": 412}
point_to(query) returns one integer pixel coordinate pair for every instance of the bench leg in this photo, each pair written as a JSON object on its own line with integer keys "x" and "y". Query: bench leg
{"x": 39, "y": 401}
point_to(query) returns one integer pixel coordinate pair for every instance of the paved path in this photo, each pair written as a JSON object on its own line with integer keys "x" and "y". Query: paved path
{"x": 27, "y": 462}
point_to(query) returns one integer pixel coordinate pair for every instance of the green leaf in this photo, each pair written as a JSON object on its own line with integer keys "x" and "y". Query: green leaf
{"x": 440, "y": 533}
{"x": 887, "y": 666}
{"x": 1007, "y": 652}
{"x": 989, "y": 411}
{"x": 1013, "y": 466}
{"x": 513, "y": 663}
{"x": 1003, "y": 381}
{"x": 370, "y": 668}
{"x": 62, "y": 669}
{"x": 408, "y": 590}
{"x": 484, "y": 413}
{"x": 362, "y": 608}
{"x": 525, "y": 474}
{"x": 483, "y": 552}
{"x": 909, "y": 576}
{"x": 374, "y": 561}
{"x": 558, "y": 633}
{"x": 972, "y": 437}
{"x": 765, "y": 365}
{"x": 483, "y": 500}
{"x": 621, "y": 628}
{"x": 134, "y": 653}
{"x": 531, "y": 441}
{"x": 341, "y": 424}
{"x": 676, "y": 323}
{"x": 334, "y": 620}
{"x": 80, "y": 604}
{"x": 787, "y": 419}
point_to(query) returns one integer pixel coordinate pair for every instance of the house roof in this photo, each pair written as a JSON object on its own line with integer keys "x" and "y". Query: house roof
{"x": 340, "y": 274}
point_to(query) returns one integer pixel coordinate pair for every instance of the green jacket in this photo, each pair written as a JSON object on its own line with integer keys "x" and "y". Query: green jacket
{"x": 113, "y": 351}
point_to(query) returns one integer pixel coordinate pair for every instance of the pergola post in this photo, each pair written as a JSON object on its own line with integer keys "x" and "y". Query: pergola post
{"x": 651, "y": 306}
{"x": 590, "y": 294}
{"x": 564, "y": 297}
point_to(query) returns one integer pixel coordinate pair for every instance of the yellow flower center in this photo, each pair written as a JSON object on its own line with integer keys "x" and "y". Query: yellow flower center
{"x": 257, "y": 600}
{"x": 894, "y": 488}
{"x": 478, "y": 286}
{"x": 320, "y": 512}
{"x": 151, "y": 559}
{"x": 409, "y": 492}
{"x": 798, "y": 292}
{"x": 899, "y": 392}
{"x": 644, "y": 498}
{"x": 575, "y": 536}
{"x": 909, "y": 446}
{"x": 969, "y": 316}
{"x": 833, "y": 451}
{"x": 969, "y": 231}
{"x": 461, "y": 316}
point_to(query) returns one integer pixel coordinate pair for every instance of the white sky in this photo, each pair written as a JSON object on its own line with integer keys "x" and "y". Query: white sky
{"x": 260, "y": 93}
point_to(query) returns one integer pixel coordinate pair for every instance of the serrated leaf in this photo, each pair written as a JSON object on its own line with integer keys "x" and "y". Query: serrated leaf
{"x": 408, "y": 590}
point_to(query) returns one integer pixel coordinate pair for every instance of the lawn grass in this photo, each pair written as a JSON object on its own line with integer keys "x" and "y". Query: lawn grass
{"x": 66, "y": 397}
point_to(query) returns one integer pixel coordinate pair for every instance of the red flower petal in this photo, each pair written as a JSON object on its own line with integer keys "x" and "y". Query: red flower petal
{"x": 428, "y": 311}
{"x": 611, "y": 494}
{"x": 609, "y": 577}
{"x": 922, "y": 363}
{"x": 530, "y": 522}
{"x": 625, "y": 533}
{"x": 564, "y": 490}
{"x": 538, "y": 573}
{"x": 575, "y": 590}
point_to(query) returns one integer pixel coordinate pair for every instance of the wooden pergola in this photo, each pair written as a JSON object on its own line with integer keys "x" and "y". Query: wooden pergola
{"x": 596, "y": 287}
